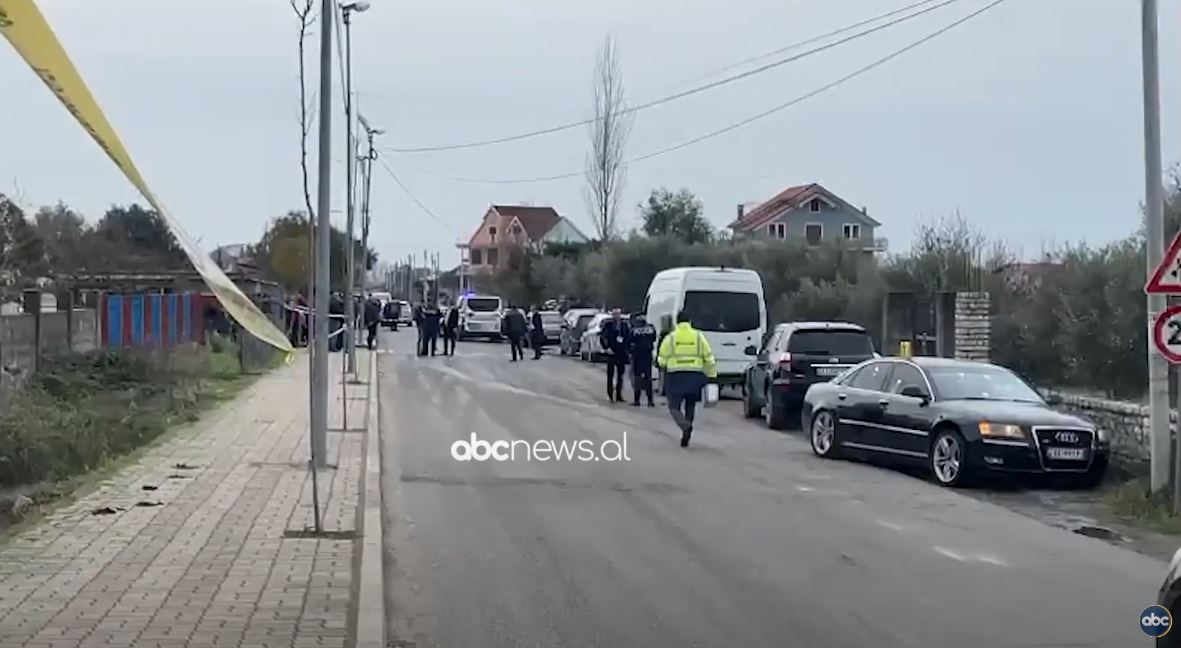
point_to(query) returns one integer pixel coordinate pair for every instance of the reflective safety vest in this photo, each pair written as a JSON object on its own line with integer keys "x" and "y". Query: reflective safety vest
{"x": 686, "y": 349}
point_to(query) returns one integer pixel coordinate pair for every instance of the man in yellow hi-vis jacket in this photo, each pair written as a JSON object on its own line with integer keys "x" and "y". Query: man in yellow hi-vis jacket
{"x": 688, "y": 364}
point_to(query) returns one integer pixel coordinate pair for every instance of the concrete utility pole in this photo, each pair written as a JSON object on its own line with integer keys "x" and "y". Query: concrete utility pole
{"x": 368, "y": 159}
{"x": 1158, "y": 371}
{"x": 319, "y": 432}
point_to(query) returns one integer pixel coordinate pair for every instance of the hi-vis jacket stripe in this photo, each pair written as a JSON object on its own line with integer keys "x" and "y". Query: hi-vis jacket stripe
{"x": 25, "y": 28}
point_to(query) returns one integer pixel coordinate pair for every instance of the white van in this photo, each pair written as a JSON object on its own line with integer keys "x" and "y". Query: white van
{"x": 479, "y": 316}
{"x": 725, "y": 304}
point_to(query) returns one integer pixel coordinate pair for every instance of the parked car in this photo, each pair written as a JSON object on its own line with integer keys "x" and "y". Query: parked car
{"x": 590, "y": 348}
{"x": 962, "y": 419}
{"x": 479, "y": 316}
{"x": 796, "y": 356}
{"x": 396, "y": 312}
{"x": 1169, "y": 598}
{"x": 574, "y": 323}
{"x": 551, "y": 322}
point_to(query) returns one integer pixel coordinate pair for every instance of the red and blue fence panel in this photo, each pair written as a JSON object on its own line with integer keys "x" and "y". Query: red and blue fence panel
{"x": 151, "y": 320}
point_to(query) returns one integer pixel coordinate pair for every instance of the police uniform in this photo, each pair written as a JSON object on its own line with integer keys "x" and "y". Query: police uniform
{"x": 643, "y": 343}
{"x": 688, "y": 363}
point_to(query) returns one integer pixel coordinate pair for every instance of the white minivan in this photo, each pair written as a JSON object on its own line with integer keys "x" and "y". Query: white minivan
{"x": 479, "y": 316}
{"x": 725, "y": 304}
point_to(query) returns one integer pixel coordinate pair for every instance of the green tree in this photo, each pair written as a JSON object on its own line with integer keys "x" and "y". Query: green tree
{"x": 22, "y": 253}
{"x": 132, "y": 237}
{"x": 283, "y": 252}
{"x": 65, "y": 235}
{"x": 677, "y": 214}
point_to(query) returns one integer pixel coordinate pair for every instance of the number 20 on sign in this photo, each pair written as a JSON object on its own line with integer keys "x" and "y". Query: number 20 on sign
{"x": 1166, "y": 334}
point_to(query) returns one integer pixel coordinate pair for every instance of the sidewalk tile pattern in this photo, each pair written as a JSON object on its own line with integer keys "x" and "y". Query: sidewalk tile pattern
{"x": 210, "y": 567}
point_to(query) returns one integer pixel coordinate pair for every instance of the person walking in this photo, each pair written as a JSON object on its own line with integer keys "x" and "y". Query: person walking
{"x": 450, "y": 331}
{"x": 688, "y": 364}
{"x": 514, "y": 328}
{"x": 615, "y": 338}
{"x": 643, "y": 343}
{"x": 372, "y": 313}
{"x": 538, "y": 333}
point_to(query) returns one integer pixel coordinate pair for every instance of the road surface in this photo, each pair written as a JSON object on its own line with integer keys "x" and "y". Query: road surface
{"x": 744, "y": 539}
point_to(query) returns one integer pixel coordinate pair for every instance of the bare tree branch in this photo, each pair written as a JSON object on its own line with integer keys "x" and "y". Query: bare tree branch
{"x": 605, "y": 168}
{"x": 305, "y": 12}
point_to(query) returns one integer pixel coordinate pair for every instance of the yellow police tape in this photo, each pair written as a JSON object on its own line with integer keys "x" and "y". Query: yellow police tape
{"x": 25, "y": 28}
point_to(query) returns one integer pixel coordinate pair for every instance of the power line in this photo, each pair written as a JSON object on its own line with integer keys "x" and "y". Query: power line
{"x": 799, "y": 44}
{"x": 749, "y": 120}
{"x": 682, "y": 94}
{"x": 413, "y": 198}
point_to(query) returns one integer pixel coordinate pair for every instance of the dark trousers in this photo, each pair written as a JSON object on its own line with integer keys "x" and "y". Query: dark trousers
{"x": 642, "y": 378}
{"x": 372, "y": 334}
{"x": 428, "y": 342}
{"x": 616, "y": 365}
{"x": 683, "y": 407}
{"x": 514, "y": 342}
{"x": 537, "y": 342}
{"x": 448, "y": 341}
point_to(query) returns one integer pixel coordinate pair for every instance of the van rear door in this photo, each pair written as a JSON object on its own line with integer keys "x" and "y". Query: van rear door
{"x": 731, "y": 321}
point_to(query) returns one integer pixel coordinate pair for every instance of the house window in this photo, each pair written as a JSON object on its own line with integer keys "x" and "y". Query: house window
{"x": 777, "y": 231}
{"x": 852, "y": 231}
{"x": 492, "y": 233}
{"x": 813, "y": 232}
{"x": 477, "y": 257}
{"x": 493, "y": 256}
{"x": 814, "y": 206}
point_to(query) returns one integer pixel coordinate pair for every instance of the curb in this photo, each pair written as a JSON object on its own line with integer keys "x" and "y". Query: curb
{"x": 371, "y": 593}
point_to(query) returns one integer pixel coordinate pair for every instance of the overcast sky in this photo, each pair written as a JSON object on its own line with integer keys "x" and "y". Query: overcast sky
{"x": 1027, "y": 120}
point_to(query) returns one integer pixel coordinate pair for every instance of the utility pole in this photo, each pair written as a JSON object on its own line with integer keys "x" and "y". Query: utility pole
{"x": 350, "y": 162}
{"x": 319, "y": 427}
{"x": 369, "y": 157}
{"x": 1158, "y": 373}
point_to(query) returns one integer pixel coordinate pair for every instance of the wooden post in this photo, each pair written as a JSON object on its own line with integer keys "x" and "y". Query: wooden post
{"x": 32, "y": 305}
{"x": 65, "y": 302}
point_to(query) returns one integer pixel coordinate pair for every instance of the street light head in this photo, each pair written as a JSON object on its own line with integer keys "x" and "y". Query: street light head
{"x": 357, "y": 5}
{"x": 377, "y": 131}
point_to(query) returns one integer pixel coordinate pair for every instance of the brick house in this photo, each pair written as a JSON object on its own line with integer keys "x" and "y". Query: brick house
{"x": 505, "y": 226}
{"x": 809, "y": 213}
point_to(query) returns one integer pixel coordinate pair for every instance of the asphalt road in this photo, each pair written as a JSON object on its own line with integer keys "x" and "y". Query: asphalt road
{"x": 744, "y": 539}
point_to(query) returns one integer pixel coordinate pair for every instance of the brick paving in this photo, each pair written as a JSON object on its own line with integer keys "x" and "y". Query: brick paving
{"x": 210, "y": 567}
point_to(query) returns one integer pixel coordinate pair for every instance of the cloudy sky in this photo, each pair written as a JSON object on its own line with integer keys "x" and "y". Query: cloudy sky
{"x": 1026, "y": 120}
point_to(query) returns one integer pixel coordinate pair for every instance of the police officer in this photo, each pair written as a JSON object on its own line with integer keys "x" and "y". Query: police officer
{"x": 615, "y": 338}
{"x": 372, "y": 314}
{"x": 688, "y": 363}
{"x": 450, "y": 331}
{"x": 643, "y": 341}
{"x": 514, "y": 327}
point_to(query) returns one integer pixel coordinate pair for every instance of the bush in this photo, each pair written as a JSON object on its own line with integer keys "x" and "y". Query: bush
{"x": 82, "y": 410}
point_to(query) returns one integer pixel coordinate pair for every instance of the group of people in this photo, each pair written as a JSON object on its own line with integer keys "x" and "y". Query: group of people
{"x": 516, "y": 328}
{"x": 683, "y": 354}
{"x": 431, "y": 323}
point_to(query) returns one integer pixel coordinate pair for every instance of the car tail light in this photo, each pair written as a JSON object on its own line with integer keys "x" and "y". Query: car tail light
{"x": 784, "y": 360}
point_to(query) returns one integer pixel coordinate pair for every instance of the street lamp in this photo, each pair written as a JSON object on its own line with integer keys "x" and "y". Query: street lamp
{"x": 367, "y": 160}
{"x": 347, "y": 10}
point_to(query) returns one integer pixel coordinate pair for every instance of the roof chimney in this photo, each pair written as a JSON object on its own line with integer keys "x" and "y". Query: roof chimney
{"x": 865, "y": 211}
{"x": 741, "y": 210}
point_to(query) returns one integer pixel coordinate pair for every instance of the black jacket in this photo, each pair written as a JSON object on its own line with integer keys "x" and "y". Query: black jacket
{"x": 616, "y": 338}
{"x": 513, "y": 324}
{"x": 432, "y": 317}
{"x": 643, "y": 342}
{"x": 452, "y": 323}
{"x": 372, "y": 312}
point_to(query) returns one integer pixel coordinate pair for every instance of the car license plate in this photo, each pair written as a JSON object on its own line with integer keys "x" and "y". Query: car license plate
{"x": 829, "y": 371}
{"x": 1076, "y": 454}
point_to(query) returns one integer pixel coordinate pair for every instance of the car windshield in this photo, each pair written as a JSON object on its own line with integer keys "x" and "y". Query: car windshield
{"x": 718, "y": 311}
{"x": 583, "y": 322}
{"x": 985, "y": 382}
{"x": 831, "y": 343}
{"x": 551, "y": 319}
{"x": 483, "y": 304}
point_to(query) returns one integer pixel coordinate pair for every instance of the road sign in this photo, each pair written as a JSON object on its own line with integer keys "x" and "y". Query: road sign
{"x": 1166, "y": 279}
{"x": 1166, "y": 334}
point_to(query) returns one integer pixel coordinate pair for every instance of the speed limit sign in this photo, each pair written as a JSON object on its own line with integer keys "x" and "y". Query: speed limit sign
{"x": 1166, "y": 334}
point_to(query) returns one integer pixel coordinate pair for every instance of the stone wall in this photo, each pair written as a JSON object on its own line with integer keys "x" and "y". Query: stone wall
{"x": 973, "y": 326}
{"x": 18, "y": 345}
{"x": 1126, "y": 423}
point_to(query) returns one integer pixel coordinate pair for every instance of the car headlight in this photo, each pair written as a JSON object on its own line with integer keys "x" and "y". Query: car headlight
{"x": 1001, "y": 431}
{"x": 1101, "y": 434}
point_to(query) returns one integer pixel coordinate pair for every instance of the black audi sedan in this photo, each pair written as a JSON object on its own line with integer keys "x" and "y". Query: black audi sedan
{"x": 959, "y": 418}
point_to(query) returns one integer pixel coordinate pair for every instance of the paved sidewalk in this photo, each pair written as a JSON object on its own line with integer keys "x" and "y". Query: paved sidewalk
{"x": 210, "y": 566}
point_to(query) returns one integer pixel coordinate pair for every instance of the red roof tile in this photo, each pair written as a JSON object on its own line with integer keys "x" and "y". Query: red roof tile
{"x": 785, "y": 198}
{"x": 537, "y": 221}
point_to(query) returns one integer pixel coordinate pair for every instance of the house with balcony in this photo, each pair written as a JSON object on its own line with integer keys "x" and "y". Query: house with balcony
{"x": 506, "y": 226}
{"x": 812, "y": 214}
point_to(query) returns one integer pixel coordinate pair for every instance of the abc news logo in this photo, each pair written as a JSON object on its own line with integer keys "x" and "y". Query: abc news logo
{"x": 1156, "y": 621}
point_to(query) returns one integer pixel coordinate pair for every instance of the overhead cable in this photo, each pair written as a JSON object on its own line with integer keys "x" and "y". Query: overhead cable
{"x": 679, "y": 95}
{"x": 749, "y": 120}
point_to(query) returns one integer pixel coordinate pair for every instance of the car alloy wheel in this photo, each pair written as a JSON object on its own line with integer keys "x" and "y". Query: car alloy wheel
{"x": 947, "y": 458}
{"x": 772, "y": 414}
{"x": 824, "y": 434}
